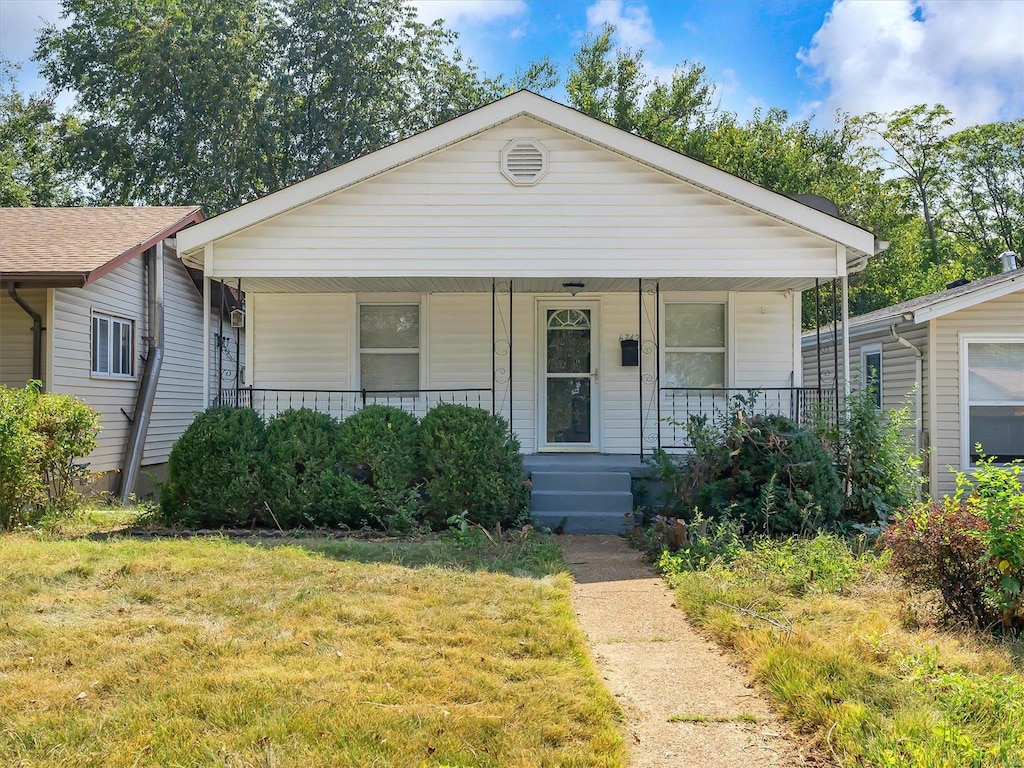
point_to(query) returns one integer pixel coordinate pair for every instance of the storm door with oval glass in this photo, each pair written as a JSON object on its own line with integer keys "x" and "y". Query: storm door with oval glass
{"x": 569, "y": 386}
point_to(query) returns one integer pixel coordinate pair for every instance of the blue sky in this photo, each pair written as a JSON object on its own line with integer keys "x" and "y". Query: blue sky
{"x": 810, "y": 57}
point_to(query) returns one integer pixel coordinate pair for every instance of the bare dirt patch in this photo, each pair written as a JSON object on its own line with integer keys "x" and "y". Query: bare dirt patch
{"x": 686, "y": 704}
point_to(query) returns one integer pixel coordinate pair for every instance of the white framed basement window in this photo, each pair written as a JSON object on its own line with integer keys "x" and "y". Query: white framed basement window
{"x": 389, "y": 347}
{"x": 113, "y": 346}
{"x": 992, "y": 398}
{"x": 871, "y": 372}
{"x": 695, "y": 344}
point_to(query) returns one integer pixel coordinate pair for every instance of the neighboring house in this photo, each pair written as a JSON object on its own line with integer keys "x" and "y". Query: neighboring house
{"x": 94, "y": 277}
{"x": 582, "y": 282}
{"x": 955, "y": 359}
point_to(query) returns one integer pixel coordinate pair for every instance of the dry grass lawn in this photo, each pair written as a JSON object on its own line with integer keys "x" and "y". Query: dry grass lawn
{"x": 125, "y": 652}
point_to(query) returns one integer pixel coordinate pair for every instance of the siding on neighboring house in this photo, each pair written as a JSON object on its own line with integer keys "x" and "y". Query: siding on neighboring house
{"x": 305, "y": 341}
{"x": 16, "y": 336}
{"x": 120, "y": 293}
{"x": 179, "y": 393}
{"x": 454, "y": 211}
{"x": 1003, "y": 316}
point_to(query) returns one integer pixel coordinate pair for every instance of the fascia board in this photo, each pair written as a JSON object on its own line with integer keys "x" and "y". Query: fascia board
{"x": 462, "y": 128}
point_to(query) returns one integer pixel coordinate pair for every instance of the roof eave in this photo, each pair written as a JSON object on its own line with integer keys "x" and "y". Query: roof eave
{"x": 194, "y": 217}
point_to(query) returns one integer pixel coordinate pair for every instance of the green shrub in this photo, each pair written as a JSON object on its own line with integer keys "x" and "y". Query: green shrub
{"x": 214, "y": 473}
{"x": 707, "y": 543}
{"x": 380, "y": 446}
{"x": 969, "y": 547}
{"x": 305, "y": 483}
{"x": 21, "y": 483}
{"x": 878, "y": 469}
{"x": 764, "y": 472}
{"x": 472, "y": 465}
{"x": 42, "y": 438}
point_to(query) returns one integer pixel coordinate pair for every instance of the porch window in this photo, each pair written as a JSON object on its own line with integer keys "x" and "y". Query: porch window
{"x": 994, "y": 399}
{"x": 113, "y": 346}
{"x": 695, "y": 345}
{"x": 871, "y": 372}
{"x": 389, "y": 346}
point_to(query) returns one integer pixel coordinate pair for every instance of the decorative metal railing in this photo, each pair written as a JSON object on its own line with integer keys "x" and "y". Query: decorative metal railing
{"x": 679, "y": 404}
{"x": 343, "y": 403}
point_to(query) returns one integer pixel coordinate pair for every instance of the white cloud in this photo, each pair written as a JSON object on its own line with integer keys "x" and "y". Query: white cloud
{"x": 473, "y": 11}
{"x": 632, "y": 21}
{"x": 881, "y": 55}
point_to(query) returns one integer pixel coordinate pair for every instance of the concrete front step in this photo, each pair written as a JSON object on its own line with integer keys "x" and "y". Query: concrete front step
{"x": 582, "y": 522}
{"x": 603, "y": 502}
{"x": 580, "y": 481}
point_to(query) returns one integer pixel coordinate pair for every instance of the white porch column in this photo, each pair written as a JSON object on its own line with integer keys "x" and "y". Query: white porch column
{"x": 846, "y": 338}
{"x": 207, "y": 288}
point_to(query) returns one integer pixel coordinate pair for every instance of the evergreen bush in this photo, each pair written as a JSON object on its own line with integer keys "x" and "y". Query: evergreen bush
{"x": 215, "y": 470}
{"x": 472, "y": 466}
{"x": 305, "y": 483}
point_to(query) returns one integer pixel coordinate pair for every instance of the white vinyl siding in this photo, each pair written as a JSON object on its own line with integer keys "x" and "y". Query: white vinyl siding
{"x": 452, "y": 213}
{"x": 16, "y": 336}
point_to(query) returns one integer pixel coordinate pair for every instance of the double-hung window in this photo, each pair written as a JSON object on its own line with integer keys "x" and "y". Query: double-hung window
{"x": 389, "y": 346}
{"x": 993, "y": 398}
{"x": 113, "y": 346}
{"x": 695, "y": 334}
{"x": 871, "y": 372}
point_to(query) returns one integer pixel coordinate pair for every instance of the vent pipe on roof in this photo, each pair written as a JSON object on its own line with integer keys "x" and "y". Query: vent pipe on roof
{"x": 1009, "y": 259}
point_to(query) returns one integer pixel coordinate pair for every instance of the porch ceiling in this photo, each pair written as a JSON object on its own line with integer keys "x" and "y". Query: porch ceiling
{"x": 520, "y": 285}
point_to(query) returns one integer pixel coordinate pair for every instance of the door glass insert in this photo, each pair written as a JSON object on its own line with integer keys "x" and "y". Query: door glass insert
{"x": 568, "y": 375}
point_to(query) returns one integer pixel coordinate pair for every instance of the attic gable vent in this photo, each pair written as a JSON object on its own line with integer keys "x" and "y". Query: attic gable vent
{"x": 524, "y": 161}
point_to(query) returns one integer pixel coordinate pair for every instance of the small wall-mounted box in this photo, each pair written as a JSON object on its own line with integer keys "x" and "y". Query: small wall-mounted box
{"x": 237, "y": 318}
{"x": 630, "y": 352}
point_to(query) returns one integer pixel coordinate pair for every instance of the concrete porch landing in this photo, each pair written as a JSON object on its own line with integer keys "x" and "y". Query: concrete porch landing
{"x": 582, "y": 493}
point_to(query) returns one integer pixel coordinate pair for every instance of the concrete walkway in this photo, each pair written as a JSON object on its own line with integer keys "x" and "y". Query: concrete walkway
{"x": 660, "y": 670}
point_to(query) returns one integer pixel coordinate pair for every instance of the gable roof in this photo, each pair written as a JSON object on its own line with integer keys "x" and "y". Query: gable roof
{"x": 859, "y": 242}
{"x": 925, "y": 308}
{"x": 71, "y": 247}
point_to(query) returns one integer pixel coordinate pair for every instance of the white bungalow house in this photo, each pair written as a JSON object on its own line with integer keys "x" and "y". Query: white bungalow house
{"x": 586, "y": 284}
{"x": 955, "y": 359}
{"x": 86, "y": 294}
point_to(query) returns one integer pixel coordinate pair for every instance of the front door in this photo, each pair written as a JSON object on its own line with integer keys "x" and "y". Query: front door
{"x": 569, "y": 381}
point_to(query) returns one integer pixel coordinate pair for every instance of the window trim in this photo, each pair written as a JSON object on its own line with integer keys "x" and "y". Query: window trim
{"x": 112, "y": 319}
{"x": 963, "y": 394}
{"x": 865, "y": 351}
{"x": 402, "y": 300}
{"x": 726, "y": 350}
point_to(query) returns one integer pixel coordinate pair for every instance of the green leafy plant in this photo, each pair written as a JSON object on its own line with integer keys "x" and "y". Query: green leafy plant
{"x": 43, "y": 437}
{"x": 380, "y": 447}
{"x": 764, "y": 472}
{"x": 305, "y": 483}
{"x": 215, "y": 470}
{"x": 707, "y": 542}
{"x": 473, "y": 465}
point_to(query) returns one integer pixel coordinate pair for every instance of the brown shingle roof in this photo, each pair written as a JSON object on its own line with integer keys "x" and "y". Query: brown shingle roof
{"x": 76, "y": 245}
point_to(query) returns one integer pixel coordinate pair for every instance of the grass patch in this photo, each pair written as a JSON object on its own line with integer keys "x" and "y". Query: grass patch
{"x": 857, "y": 666}
{"x": 740, "y": 718}
{"x": 449, "y": 651}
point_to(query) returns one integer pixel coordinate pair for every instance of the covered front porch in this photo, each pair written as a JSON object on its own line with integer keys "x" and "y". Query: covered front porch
{"x": 580, "y": 366}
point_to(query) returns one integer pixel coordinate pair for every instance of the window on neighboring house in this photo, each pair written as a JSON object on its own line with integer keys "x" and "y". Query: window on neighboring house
{"x": 695, "y": 336}
{"x": 994, "y": 399}
{"x": 871, "y": 372}
{"x": 389, "y": 346}
{"x": 113, "y": 346}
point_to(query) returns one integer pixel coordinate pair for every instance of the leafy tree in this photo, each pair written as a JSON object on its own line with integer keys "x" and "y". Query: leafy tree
{"x": 914, "y": 146}
{"x": 188, "y": 101}
{"x": 34, "y": 166}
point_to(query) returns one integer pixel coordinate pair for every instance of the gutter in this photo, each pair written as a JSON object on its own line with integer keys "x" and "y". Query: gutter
{"x": 136, "y": 444}
{"x": 37, "y": 331}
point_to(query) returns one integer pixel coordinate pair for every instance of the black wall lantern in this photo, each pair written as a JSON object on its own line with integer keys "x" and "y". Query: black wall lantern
{"x": 630, "y": 351}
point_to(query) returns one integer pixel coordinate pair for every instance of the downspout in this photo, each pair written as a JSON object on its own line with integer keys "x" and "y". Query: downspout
{"x": 37, "y": 332}
{"x": 150, "y": 373}
{"x": 918, "y": 385}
